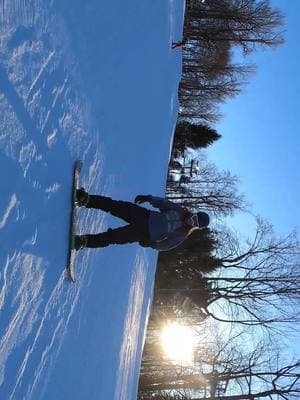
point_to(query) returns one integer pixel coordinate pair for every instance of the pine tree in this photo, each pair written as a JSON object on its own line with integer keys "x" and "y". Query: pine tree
{"x": 194, "y": 136}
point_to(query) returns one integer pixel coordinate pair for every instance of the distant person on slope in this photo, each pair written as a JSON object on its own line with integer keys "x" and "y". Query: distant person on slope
{"x": 179, "y": 45}
{"x": 161, "y": 230}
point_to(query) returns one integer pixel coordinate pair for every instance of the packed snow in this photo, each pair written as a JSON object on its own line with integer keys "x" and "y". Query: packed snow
{"x": 95, "y": 81}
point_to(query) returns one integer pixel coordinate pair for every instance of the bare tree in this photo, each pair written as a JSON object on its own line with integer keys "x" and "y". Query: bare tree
{"x": 212, "y": 30}
{"x": 215, "y": 191}
{"x": 246, "y": 23}
{"x": 258, "y": 284}
{"x": 282, "y": 383}
{"x": 227, "y": 369}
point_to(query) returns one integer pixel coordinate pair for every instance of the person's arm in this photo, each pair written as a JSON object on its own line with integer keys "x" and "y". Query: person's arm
{"x": 163, "y": 204}
{"x": 157, "y": 202}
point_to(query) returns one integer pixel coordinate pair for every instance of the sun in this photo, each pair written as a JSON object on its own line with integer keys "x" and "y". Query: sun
{"x": 178, "y": 342}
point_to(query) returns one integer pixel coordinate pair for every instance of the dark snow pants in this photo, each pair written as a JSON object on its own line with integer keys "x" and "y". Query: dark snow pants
{"x": 137, "y": 217}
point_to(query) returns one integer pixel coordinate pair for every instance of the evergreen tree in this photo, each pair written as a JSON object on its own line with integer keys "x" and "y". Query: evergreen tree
{"x": 194, "y": 136}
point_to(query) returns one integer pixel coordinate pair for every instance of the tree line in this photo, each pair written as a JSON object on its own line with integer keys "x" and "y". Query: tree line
{"x": 240, "y": 295}
{"x": 214, "y": 31}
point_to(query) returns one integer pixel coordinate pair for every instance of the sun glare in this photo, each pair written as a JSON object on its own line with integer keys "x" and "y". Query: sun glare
{"x": 177, "y": 342}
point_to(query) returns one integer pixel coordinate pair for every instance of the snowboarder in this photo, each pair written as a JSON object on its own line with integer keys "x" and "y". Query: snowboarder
{"x": 179, "y": 45}
{"x": 161, "y": 230}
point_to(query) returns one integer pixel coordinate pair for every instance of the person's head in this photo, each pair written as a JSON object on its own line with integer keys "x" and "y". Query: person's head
{"x": 199, "y": 220}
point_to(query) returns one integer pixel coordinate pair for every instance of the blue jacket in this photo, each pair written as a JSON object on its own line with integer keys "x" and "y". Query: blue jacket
{"x": 166, "y": 228}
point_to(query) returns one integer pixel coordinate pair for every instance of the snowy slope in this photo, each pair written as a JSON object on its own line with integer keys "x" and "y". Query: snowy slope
{"x": 96, "y": 82}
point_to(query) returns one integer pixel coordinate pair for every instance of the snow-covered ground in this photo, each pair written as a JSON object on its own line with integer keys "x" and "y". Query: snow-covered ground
{"x": 97, "y": 81}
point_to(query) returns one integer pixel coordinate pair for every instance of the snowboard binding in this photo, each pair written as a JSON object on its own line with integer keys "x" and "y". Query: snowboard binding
{"x": 81, "y": 198}
{"x": 78, "y": 242}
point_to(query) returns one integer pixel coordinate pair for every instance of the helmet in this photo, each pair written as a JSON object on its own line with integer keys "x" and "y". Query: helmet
{"x": 203, "y": 219}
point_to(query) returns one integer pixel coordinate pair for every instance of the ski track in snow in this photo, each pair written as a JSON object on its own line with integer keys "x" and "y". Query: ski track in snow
{"x": 171, "y": 22}
{"x": 12, "y": 204}
{"x": 22, "y": 298}
{"x": 40, "y": 105}
{"x": 127, "y": 363}
{"x": 50, "y": 332}
{"x": 38, "y": 77}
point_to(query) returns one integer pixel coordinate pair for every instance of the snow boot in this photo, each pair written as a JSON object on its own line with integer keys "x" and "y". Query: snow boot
{"x": 79, "y": 242}
{"x": 81, "y": 198}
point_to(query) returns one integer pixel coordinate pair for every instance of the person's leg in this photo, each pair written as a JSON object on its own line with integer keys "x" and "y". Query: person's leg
{"x": 129, "y": 212}
{"x": 123, "y": 235}
{"x": 177, "y": 44}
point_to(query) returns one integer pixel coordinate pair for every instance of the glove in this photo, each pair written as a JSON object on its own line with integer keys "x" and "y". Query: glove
{"x": 141, "y": 199}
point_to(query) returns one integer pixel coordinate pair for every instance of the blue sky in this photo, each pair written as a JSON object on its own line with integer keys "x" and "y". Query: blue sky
{"x": 260, "y": 134}
{"x": 260, "y": 130}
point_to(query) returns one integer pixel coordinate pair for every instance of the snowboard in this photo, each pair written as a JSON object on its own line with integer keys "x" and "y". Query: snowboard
{"x": 73, "y": 218}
